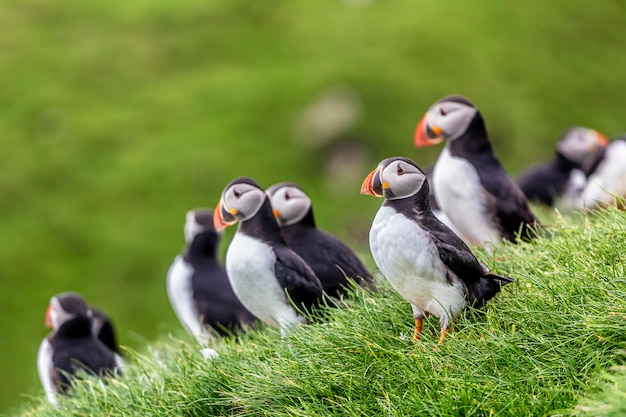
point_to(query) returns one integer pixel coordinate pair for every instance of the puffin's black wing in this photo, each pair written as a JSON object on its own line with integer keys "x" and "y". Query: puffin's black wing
{"x": 454, "y": 253}
{"x": 297, "y": 277}
{"x": 542, "y": 183}
{"x": 509, "y": 205}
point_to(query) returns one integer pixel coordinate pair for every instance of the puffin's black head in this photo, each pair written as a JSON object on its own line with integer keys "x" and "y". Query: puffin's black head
{"x": 199, "y": 221}
{"x": 241, "y": 199}
{"x": 447, "y": 119}
{"x": 290, "y": 203}
{"x": 64, "y": 307}
{"x": 578, "y": 144}
{"x": 394, "y": 178}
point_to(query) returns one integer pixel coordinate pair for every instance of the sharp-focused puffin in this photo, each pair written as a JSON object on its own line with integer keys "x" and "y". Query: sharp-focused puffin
{"x": 607, "y": 184}
{"x": 562, "y": 180}
{"x": 427, "y": 263}
{"x": 471, "y": 186}
{"x": 333, "y": 262}
{"x": 198, "y": 287}
{"x": 269, "y": 278}
{"x": 71, "y": 346}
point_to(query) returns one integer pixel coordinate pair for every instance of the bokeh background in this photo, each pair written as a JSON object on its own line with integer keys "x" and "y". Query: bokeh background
{"x": 117, "y": 117}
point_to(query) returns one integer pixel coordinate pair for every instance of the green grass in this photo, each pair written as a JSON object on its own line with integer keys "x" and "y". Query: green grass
{"x": 545, "y": 342}
{"x": 117, "y": 117}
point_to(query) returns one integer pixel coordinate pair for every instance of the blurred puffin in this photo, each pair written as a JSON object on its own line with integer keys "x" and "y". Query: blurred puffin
{"x": 428, "y": 264}
{"x": 333, "y": 262}
{"x": 71, "y": 346}
{"x": 562, "y": 180}
{"x": 471, "y": 186}
{"x": 443, "y": 218}
{"x": 607, "y": 183}
{"x": 269, "y": 278}
{"x": 198, "y": 287}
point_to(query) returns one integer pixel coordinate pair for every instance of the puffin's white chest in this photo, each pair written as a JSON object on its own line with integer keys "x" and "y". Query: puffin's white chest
{"x": 463, "y": 199}
{"x": 180, "y": 293}
{"x": 250, "y": 265}
{"x": 410, "y": 262}
{"x": 45, "y": 367}
{"x": 609, "y": 179}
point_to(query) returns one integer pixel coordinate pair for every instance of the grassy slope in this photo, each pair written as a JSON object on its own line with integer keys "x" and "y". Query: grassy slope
{"x": 540, "y": 345}
{"x": 117, "y": 117}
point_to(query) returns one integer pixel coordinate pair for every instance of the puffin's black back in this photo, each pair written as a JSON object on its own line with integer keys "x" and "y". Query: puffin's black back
{"x": 75, "y": 347}
{"x": 511, "y": 207}
{"x": 106, "y": 332}
{"x": 213, "y": 294}
{"x": 332, "y": 261}
{"x": 545, "y": 182}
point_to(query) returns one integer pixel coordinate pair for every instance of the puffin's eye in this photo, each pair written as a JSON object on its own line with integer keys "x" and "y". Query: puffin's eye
{"x": 442, "y": 111}
{"x": 236, "y": 193}
{"x": 287, "y": 196}
{"x": 399, "y": 170}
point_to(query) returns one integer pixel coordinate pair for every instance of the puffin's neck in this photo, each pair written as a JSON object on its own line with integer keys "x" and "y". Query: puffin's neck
{"x": 564, "y": 164}
{"x": 203, "y": 244}
{"x": 263, "y": 225}
{"x": 75, "y": 328}
{"x": 292, "y": 231}
{"x": 473, "y": 142}
{"x": 415, "y": 206}
{"x": 593, "y": 162}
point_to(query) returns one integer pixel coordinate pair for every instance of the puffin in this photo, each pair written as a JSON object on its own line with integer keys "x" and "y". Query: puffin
{"x": 71, "y": 346}
{"x": 471, "y": 186}
{"x": 423, "y": 260}
{"x": 333, "y": 261}
{"x": 435, "y": 206}
{"x": 270, "y": 279}
{"x": 606, "y": 185}
{"x": 198, "y": 287}
{"x": 562, "y": 180}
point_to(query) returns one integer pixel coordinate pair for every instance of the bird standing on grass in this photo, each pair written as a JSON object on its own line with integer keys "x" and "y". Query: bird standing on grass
{"x": 269, "y": 278}
{"x": 561, "y": 180}
{"x": 333, "y": 262}
{"x": 198, "y": 287}
{"x": 471, "y": 186}
{"x": 427, "y": 263}
{"x": 607, "y": 184}
{"x": 71, "y": 346}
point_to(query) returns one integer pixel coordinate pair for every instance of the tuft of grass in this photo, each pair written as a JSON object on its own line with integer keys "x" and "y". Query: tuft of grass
{"x": 536, "y": 349}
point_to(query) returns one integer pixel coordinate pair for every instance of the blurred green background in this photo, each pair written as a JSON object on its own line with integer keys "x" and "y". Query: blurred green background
{"x": 117, "y": 117}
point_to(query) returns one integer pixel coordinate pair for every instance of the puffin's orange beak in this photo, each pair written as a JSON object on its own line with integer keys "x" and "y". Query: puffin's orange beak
{"x": 426, "y": 135}
{"x": 373, "y": 185}
{"x": 222, "y": 218}
{"x": 48, "y": 320}
{"x": 601, "y": 139}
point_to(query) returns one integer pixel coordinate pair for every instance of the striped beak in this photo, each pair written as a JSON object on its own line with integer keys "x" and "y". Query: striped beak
{"x": 223, "y": 218}
{"x": 48, "y": 320}
{"x": 373, "y": 185}
{"x": 426, "y": 135}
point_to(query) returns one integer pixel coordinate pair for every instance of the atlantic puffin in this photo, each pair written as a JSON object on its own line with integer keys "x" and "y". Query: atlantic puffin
{"x": 270, "y": 279}
{"x": 71, "y": 346}
{"x": 427, "y": 263}
{"x": 561, "y": 180}
{"x": 198, "y": 287}
{"x": 471, "y": 186}
{"x": 333, "y": 262}
{"x": 607, "y": 183}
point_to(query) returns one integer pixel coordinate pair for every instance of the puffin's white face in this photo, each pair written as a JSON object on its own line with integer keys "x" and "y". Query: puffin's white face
{"x": 290, "y": 204}
{"x": 580, "y": 143}
{"x": 243, "y": 200}
{"x": 449, "y": 119}
{"x": 193, "y": 226}
{"x": 400, "y": 179}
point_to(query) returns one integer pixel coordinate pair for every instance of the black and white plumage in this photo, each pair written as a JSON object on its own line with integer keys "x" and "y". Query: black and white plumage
{"x": 198, "y": 287}
{"x": 102, "y": 327}
{"x": 333, "y": 261}
{"x": 606, "y": 185}
{"x": 561, "y": 180}
{"x": 71, "y": 346}
{"x": 269, "y": 278}
{"x": 427, "y": 263}
{"x": 471, "y": 186}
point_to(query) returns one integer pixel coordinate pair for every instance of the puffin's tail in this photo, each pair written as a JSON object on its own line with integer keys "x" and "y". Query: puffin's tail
{"x": 486, "y": 288}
